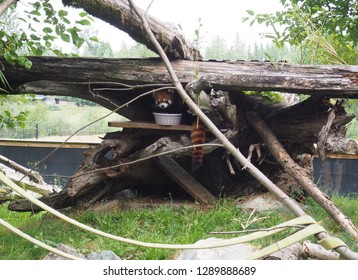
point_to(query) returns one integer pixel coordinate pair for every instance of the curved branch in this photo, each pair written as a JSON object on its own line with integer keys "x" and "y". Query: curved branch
{"x": 119, "y": 14}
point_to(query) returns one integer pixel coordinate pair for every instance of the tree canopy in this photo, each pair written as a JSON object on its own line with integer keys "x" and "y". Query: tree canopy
{"x": 326, "y": 31}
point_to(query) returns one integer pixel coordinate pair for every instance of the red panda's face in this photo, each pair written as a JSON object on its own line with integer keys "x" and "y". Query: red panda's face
{"x": 163, "y": 104}
{"x": 163, "y": 99}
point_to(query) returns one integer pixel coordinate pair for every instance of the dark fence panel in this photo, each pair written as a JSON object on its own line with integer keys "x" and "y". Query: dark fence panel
{"x": 56, "y": 169}
{"x": 334, "y": 175}
{"x": 337, "y": 175}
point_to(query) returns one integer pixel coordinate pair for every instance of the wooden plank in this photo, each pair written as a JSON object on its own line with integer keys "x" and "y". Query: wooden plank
{"x": 339, "y": 156}
{"x": 145, "y": 125}
{"x": 45, "y": 144}
{"x": 185, "y": 180}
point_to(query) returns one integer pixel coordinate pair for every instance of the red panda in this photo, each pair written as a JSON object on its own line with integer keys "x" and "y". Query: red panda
{"x": 164, "y": 98}
{"x": 198, "y": 132}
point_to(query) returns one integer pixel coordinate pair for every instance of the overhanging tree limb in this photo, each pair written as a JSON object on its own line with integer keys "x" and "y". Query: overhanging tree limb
{"x": 118, "y": 13}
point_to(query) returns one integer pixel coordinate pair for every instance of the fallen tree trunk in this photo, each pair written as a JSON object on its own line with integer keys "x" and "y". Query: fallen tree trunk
{"x": 332, "y": 81}
{"x": 24, "y": 177}
{"x": 300, "y": 174}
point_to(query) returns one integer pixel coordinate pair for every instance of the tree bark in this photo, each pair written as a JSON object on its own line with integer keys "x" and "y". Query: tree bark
{"x": 119, "y": 14}
{"x": 331, "y": 81}
{"x": 300, "y": 174}
{"x": 314, "y": 251}
{"x": 292, "y": 252}
{"x": 5, "y": 5}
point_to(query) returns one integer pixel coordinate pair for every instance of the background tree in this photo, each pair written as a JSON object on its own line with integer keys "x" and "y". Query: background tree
{"x": 324, "y": 32}
{"x": 34, "y": 33}
{"x": 217, "y": 49}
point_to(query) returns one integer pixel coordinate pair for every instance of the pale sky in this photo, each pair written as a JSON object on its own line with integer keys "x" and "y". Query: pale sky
{"x": 218, "y": 17}
{"x": 223, "y": 17}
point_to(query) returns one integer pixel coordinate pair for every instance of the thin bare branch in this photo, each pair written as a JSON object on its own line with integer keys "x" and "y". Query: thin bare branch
{"x": 147, "y": 158}
{"x": 291, "y": 204}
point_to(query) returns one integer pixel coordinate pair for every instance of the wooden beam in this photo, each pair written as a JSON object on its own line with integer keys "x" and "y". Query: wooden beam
{"x": 145, "y": 125}
{"x": 340, "y": 156}
{"x": 45, "y": 144}
{"x": 185, "y": 180}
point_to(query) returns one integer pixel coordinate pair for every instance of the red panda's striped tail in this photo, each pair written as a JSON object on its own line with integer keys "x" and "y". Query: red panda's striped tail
{"x": 197, "y": 137}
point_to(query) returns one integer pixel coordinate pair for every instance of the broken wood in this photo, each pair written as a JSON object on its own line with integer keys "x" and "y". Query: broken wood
{"x": 299, "y": 174}
{"x": 57, "y": 201}
{"x": 33, "y": 175}
{"x": 292, "y": 252}
{"x": 323, "y": 135}
{"x": 26, "y": 178}
{"x": 315, "y": 251}
{"x": 185, "y": 180}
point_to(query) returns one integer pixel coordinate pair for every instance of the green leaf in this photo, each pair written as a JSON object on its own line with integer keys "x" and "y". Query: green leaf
{"x": 62, "y": 13}
{"x": 83, "y": 14}
{"x": 34, "y": 37}
{"x": 66, "y": 20}
{"x": 48, "y": 37}
{"x": 250, "y": 12}
{"x": 77, "y": 41}
{"x": 58, "y": 53}
{"x": 35, "y": 13}
{"x": 84, "y": 22}
{"x": 94, "y": 39}
{"x": 65, "y": 37}
{"x": 23, "y": 36}
{"x": 47, "y": 30}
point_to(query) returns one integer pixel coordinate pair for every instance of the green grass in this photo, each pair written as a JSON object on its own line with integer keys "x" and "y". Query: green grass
{"x": 162, "y": 225}
{"x": 52, "y": 120}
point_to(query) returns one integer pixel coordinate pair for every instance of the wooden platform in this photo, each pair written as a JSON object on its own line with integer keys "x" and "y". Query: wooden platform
{"x": 145, "y": 125}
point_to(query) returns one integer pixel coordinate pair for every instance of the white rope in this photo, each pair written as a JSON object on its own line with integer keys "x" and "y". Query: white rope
{"x": 222, "y": 243}
{"x": 37, "y": 242}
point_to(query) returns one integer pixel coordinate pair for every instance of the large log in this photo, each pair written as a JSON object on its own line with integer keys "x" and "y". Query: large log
{"x": 97, "y": 79}
{"x": 333, "y": 81}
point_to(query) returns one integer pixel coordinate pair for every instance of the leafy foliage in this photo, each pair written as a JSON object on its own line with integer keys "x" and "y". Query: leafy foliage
{"x": 9, "y": 118}
{"x": 325, "y": 30}
{"x": 41, "y": 25}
